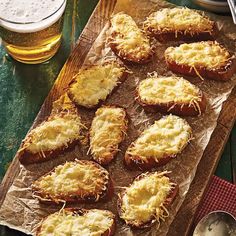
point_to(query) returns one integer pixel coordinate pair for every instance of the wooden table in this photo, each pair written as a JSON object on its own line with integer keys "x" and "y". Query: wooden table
{"x": 23, "y": 89}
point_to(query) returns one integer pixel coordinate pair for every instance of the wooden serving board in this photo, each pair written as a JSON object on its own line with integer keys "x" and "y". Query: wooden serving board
{"x": 183, "y": 220}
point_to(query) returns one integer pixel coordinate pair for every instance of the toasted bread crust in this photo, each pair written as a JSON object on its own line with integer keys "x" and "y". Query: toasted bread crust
{"x": 26, "y": 157}
{"x": 221, "y": 73}
{"x": 112, "y": 150}
{"x": 121, "y": 79}
{"x": 141, "y": 225}
{"x": 81, "y": 212}
{"x": 177, "y": 108}
{"x": 146, "y": 162}
{"x": 183, "y": 35}
{"x": 126, "y": 55}
{"x": 63, "y": 107}
{"x": 104, "y": 193}
{"x": 134, "y": 162}
{"x": 208, "y": 31}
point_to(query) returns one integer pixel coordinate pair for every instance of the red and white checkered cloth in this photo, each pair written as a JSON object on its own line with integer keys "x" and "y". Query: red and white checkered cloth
{"x": 221, "y": 195}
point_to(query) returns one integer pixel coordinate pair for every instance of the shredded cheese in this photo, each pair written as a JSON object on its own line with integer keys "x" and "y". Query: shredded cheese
{"x": 58, "y": 131}
{"x": 207, "y": 54}
{"x": 157, "y": 90}
{"x": 66, "y": 223}
{"x": 107, "y": 131}
{"x": 144, "y": 198}
{"x": 166, "y": 137}
{"x": 94, "y": 84}
{"x": 178, "y": 19}
{"x": 129, "y": 39}
{"x": 74, "y": 178}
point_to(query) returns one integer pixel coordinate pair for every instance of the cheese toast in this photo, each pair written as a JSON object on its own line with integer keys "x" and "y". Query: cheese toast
{"x": 204, "y": 59}
{"x": 78, "y": 222}
{"x": 60, "y": 131}
{"x": 146, "y": 200}
{"x": 180, "y": 24}
{"x": 127, "y": 41}
{"x": 107, "y": 132}
{"x": 158, "y": 143}
{"x": 93, "y": 84}
{"x": 170, "y": 95}
{"x": 76, "y": 181}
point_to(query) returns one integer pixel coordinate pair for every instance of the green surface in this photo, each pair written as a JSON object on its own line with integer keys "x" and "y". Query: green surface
{"x": 23, "y": 89}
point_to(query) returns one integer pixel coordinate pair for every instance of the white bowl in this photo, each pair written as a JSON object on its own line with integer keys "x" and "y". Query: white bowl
{"x": 216, "y": 6}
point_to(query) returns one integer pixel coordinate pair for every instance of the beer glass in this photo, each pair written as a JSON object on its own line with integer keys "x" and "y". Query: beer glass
{"x": 31, "y": 30}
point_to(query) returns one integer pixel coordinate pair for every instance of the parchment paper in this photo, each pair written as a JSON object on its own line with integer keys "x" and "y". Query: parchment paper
{"x": 21, "y": 211}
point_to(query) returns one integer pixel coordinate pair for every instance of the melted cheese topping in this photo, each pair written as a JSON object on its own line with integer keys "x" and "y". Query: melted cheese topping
{"x": 107, "y": 132}
{"x": 66, "y": 223}
{"x": 129, "y": 39}
{"x": 95, "y": 83}
{"x": 178, "y": 19}
{"x": 202, "y": 54}
{"x": 74, "y": 178}
{"x": 156, "y": 90}
{"x": 56, "y": 132}
{"x": 166, "y": 137}
{"x": 145, "y": 197}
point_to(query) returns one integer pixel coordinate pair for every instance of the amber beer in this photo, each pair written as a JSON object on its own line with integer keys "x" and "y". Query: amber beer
{"x": 31, "y": 30}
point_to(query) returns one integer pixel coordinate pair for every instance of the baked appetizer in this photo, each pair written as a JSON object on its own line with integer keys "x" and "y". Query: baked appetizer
{"x": 107, "y": 132}
{"x": 158, "y": 143}
{"x": 128, "y": 41}
{"x": 93, "y": 84}
{"x": 204, "y": 59}
{"x": 180, "y": 24}
{"x": 146, "y": 200}
{"x": 76, "y": 181}
{"x": 78, "y": 222}
{"x": 170, "y": 95}
{"x": 60, "y": 131}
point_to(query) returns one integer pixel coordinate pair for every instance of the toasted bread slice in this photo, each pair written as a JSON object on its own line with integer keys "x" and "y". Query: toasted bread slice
{"x": 93, "y": 84}
{"x": 204, "y": 59}
{"x": 77, "y": 181}
{"x": 107, "y": 132}
{"x": 78, "y": 222}
{"x": 170, "y": 95}
{"x": 145, "y": 201}
{"x": 60, "y": 131}
{"x": 128, "y": 41}
{"x": 180, "y": 24}
{"x": 158, "y": 143}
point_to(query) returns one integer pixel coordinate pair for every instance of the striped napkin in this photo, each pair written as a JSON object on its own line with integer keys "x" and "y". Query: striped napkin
{"x": 221, "y": 195}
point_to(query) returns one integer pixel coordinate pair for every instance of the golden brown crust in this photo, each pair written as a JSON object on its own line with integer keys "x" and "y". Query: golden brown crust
{"x": 177, "y": 108}
{"x": 61, "y": 108}
{"x": 129, "y": 58}
{"x": 222, "y": 73}
{"x": 106, "y": 159}
{"x": 120, "y": 80}
{"x": 80, "y": 212}
{"x": 26, "y": 157}
{"x": 183, "y": 35}
{"x": 171, "y": 197}
{"x": 102, "y": 194}
{"x": 180, "y": 24}
{"x": 135, "y": 161}
{"x": 127, "y": 55}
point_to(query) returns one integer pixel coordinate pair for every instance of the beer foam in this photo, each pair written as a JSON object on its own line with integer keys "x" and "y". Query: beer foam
{"x": 42, "y": 13}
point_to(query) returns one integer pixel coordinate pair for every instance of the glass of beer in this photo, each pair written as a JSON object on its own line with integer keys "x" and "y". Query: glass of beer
{"x": 31, "y": 30}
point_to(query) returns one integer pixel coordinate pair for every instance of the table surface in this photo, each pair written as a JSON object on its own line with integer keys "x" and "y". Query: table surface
{"x": 23, "y": 89}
